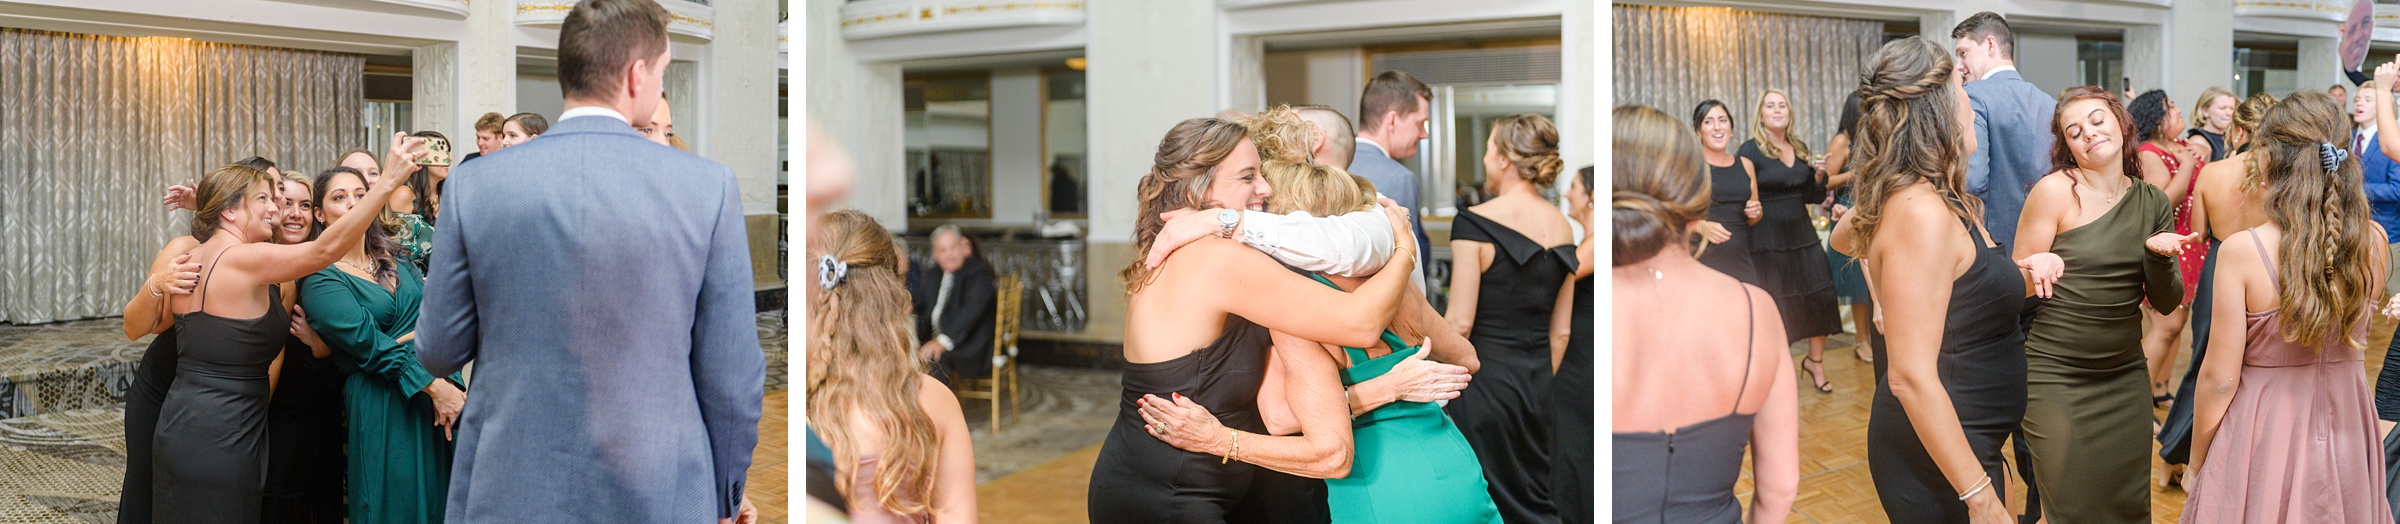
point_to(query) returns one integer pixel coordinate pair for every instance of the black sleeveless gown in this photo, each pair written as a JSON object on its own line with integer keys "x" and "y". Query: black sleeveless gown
{"x": 1571, "y": 394}
{"x": 211, "y": 445}
{"x": 1139, "y": 478}
{"x": 1982, "y": 366}
{"x": 1505, "y": 412}
{"x": 1728, "y": 191}
{"x": 305, "y": 436}
{"x": 151, "y": 379}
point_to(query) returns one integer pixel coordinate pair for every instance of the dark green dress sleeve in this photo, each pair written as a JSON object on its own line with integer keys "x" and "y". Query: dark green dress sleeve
{"x": 338, "y": 310}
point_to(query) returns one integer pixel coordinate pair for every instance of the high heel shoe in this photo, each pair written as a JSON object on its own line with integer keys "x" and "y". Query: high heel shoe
{"x": 1816, "y": 375}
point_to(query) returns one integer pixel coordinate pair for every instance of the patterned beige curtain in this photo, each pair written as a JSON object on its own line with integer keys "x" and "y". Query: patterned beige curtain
{"x": 1672, "y": 58}
{"x": 93, "y": 128}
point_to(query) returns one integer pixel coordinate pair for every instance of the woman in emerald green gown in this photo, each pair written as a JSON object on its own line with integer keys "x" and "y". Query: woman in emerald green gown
{"x": 401, "y": 417}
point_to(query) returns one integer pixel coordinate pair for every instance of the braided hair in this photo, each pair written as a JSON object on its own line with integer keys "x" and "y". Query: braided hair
{"x": 2323, "y": 276}
{"x": 1908, "y": 132}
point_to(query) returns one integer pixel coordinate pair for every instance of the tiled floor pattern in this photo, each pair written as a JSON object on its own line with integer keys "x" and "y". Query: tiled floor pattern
{"x": 65, "y": 465}
{"x": 1834, "y": 483}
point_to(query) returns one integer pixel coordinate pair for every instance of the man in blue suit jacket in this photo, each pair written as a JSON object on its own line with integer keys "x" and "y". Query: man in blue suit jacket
{"x": 601, "y": 283}
{"x": 1391, "y": 119}
{"x": 2012, "y": 123}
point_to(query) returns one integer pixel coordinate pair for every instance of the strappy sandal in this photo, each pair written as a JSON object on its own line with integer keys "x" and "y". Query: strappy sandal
{"x": 1817, "y": 376}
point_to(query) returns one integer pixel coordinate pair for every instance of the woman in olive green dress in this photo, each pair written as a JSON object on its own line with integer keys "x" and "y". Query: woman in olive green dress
{"x": 401, "y": 417}
{"x": 2087, "y": 414}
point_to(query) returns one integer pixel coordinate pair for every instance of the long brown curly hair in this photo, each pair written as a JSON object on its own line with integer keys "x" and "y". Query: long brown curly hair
{"x": 863, "y": 377}
{"x": 1908, "y": 132}
{"x": 1178, "y": 179}
{"x": 2324, "y": 286}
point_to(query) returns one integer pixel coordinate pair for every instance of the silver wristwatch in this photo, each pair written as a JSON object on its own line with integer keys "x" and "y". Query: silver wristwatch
{"x": 1226, "y": 221}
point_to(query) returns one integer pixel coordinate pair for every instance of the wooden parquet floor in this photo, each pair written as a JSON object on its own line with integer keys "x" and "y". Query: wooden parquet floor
{"x": 1834, "y": 484}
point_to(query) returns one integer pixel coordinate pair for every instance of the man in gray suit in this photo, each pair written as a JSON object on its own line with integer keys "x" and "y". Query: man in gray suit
{"x": 2012, "y": 122}
{"x": 1391, "y": 119}
{"x": 601, "y": 284}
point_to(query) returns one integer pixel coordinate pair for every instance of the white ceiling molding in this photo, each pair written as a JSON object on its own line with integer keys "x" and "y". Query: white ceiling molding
{"x": 2318, "y": 10}
{"x": 868, "y": 19}
{"x": 693, "y": 22}
{"x": 1268, "y": 18}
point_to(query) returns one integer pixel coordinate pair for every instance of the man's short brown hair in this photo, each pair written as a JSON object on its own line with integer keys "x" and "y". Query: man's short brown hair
{"x": 1390, "y": 92}
{"x": 1989, "y": 24}
{"x": 490, "y": 123}
{"x": 600, "y": 37}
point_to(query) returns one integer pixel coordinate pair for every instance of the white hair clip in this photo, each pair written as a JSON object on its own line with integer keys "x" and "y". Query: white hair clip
{"x": 830, "y": 272}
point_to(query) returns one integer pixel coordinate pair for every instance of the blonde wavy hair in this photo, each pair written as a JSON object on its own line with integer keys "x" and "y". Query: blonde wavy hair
{"x": 863, "y": 377}
{"x": 1280, "y": 133}
{"x": 2324, "y": 285}
{"x": 1318, "y": 189}
{"x": 1759, "y": 131}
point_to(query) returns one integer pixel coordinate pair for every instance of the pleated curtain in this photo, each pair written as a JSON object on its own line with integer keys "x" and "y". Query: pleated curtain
{"x": 1672, "y": 58}
{"x": 94, "y": 128}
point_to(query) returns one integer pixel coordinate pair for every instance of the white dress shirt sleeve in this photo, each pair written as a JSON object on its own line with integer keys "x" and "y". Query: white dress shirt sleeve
{"x": 1352, "y": 245}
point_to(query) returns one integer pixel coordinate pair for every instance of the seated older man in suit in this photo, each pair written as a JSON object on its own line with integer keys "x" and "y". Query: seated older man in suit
{"x": 956, "y": 305}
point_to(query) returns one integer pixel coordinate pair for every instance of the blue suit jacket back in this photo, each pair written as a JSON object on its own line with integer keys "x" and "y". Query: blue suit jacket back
{"x": 2013, "y": 138}
{"x": 1395, "y": 181}
{"x": 601, "y": 284}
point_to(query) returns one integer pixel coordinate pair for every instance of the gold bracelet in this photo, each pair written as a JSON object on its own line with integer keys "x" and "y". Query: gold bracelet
{"x": 1234, "y": 446}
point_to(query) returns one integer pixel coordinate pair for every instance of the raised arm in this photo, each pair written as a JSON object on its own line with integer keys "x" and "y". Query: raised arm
{"x": 287, "y": 262}
{"x": 172, "y": 272}
{"x": 1313, "y": 389}
{"x": 2387, "y": 136}
{"x": 728, "y": 366}
{"x": 1256, "y": 288}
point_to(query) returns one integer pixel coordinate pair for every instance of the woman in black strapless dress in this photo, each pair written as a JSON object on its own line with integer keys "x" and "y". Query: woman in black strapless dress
{"x": 1733, "y": 197}
{"x": 1201, "y": 163}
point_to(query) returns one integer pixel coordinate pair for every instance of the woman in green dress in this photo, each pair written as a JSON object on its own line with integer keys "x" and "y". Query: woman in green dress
{"x": 1409, "y": 462}
{"x": 401, "y": 417}
{"x": 2087, "y": 411}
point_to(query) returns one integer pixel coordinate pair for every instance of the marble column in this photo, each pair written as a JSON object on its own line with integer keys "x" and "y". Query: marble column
{"x": 2321, "y": 63}
{"x": 2146, "y": 57}
{"x": 859, "y": 105}
{"x": 458, "y": 82}
{"x": 1579, "y": 109}
{"x": 2202, "y": 36}
{"x": 1151, "y": 67}
{"x": 742, "y": 81}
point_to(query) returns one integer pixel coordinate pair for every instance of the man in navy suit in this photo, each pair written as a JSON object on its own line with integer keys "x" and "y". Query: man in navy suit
{"x": 1391, "y": 119}
{"x": 601, "y": 284}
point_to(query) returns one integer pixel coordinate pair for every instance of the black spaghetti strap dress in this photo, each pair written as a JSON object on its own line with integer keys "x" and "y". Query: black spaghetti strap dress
{"x": 1686, "y": 475}
{"x": 1505, "y": 412}
{"x": 211, "y": 446}
{"x": 1139, "y": 478}
{"x": 151, "y": 379}
{"x": 1982, "y": 366}
{"x": 1728, "y": 192}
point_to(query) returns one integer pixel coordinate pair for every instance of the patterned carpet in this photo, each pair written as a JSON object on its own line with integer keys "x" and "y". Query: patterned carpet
{"x": 1061, "y": 410}
{"x": 62, "y": 437}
